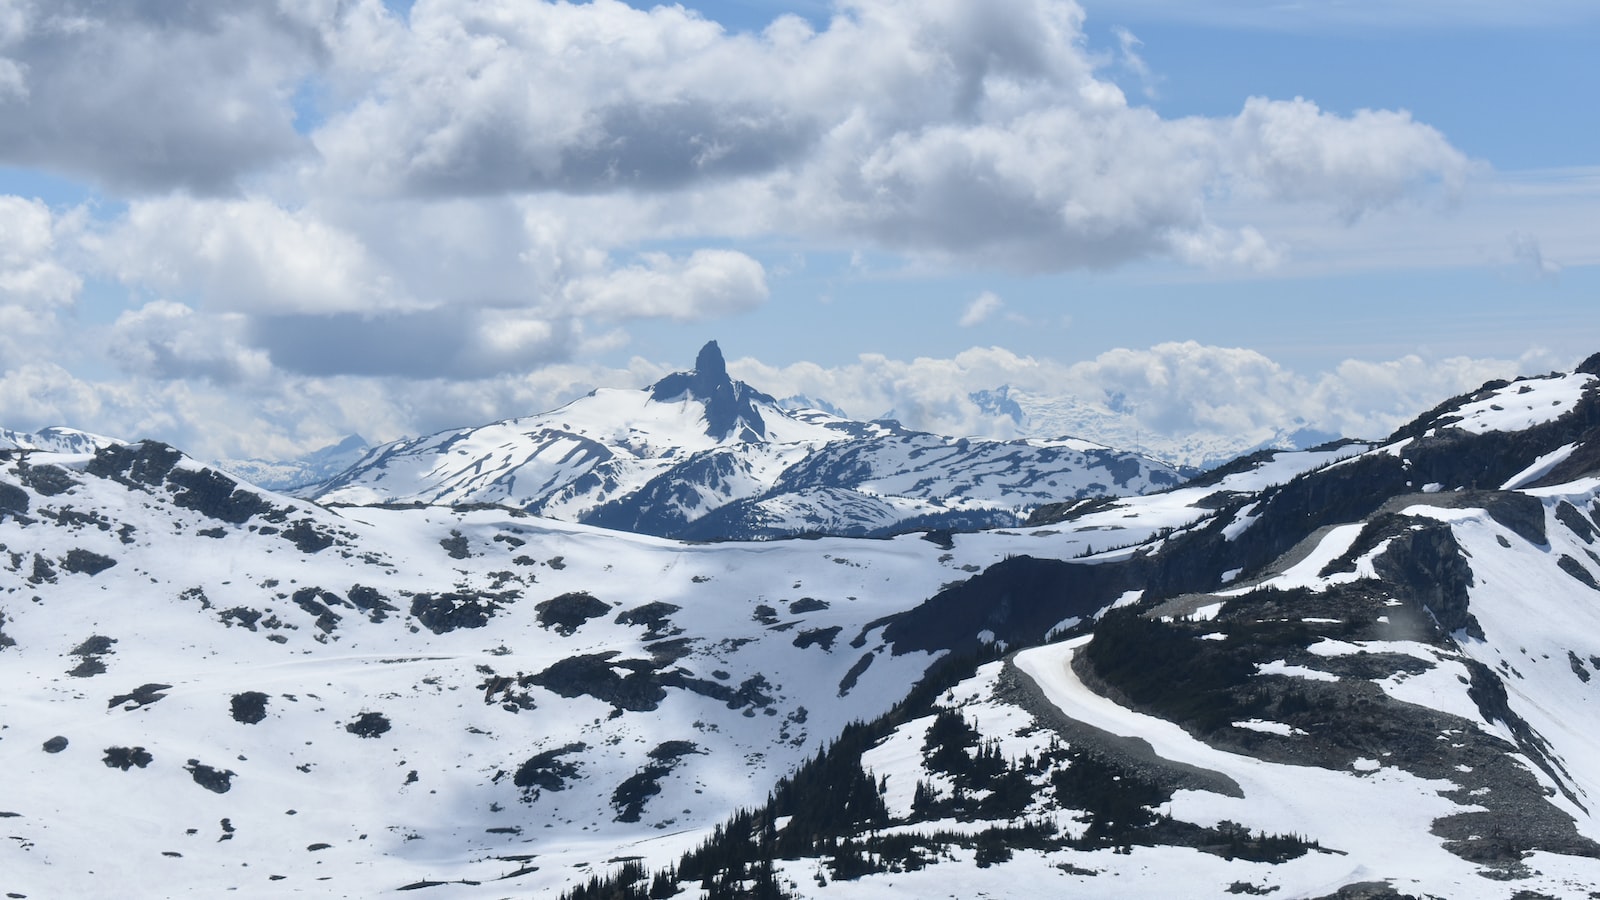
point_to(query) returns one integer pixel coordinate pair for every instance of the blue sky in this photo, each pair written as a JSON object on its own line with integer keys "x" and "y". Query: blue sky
{"x": 250, "y": 227}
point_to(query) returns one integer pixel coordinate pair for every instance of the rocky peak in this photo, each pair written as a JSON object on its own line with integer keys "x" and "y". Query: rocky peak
{"x": 730, "y": 412}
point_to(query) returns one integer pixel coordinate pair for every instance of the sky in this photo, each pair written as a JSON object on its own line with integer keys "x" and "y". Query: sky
{"x": 251, "y": 227}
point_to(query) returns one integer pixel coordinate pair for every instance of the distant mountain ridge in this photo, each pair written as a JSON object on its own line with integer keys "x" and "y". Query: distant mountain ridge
{"x": 700, "y": 455}
{"x": 312, "y": 468}
{"x": 56, "y": 439}
{"x": 1114, "y": 424}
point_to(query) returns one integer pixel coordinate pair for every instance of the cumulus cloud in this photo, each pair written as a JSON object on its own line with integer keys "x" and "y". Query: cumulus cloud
{"x": 167, "y": 340}
{"x": 705, "y": 284}
{"x": 36, "y": 285}
{"x": 249, "y": 255}
{"x": 330, "y": 218}
{"x": 931, "y": 128}
{"x": 1194, "y": 400}
{"x": 1292, "y": 150}
{"x": 149, "y": 95}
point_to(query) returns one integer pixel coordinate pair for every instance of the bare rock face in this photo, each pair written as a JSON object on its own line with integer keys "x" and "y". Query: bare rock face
{"x": 729, "y": 410}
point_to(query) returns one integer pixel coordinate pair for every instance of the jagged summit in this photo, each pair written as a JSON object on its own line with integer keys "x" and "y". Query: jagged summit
{"x": 701, "y": 456}
{"x": 730, "y": 405}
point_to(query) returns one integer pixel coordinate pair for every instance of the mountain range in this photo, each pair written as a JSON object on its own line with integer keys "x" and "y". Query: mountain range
{"x": 1362, "y": 670}
{"x": 700, "y": 456}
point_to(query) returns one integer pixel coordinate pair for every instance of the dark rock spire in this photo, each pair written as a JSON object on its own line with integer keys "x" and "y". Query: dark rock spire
{"x": 729, "y": 409}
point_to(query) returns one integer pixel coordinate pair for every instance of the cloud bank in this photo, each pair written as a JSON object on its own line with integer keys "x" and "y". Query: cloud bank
{"x": 357, "y": 221}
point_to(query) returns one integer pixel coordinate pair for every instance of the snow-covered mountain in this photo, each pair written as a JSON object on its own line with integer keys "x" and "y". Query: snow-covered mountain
{"x": 1112, "y": 423}
{"x": 56, "y": 439}
{"x": 313, "y": 468}
{"x": 699, "y": 455}
{"x": 1359, "y": 671}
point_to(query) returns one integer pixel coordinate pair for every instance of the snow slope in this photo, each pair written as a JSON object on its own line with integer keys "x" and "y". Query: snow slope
{"x": 698, "y": 455}
{"x": 426, "y": 625}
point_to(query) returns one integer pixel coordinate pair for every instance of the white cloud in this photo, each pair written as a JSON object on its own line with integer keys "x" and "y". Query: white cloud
{"x": 30, "y": 273}
{"x": 248, "y": 255}
{"x": 36, "y": 286}
{"x": 1179, "y": 394}
{"x": 930, "y": 128}
{"x": 492, "y": 182}
{"x": 149, "y": 95}
{"x": 1293, "y": 151}
{"x": 981, "y": 309}
{"x": 706, "y": 284}
{"x": 167, "y": 340}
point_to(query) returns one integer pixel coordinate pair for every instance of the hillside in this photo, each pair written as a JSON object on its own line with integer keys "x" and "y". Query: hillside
{"x": 1366, "y": 670}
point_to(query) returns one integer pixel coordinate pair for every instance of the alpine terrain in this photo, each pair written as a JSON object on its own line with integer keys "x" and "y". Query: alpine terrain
{"x": 699, "y": 456}
{"x": 493, "y": 663}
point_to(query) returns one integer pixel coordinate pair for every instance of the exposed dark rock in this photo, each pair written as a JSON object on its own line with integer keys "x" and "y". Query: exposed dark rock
{"x": 822, "y": 637}
{"x": 730, "y": 412}
{"x": 316, "y": 601}
{"x": 217, "y": 781}
{"x": 69, "y": 517}
{"x": 1568, "y": 515}
{"x": 88, "y": 667}
{"x": 5, "y": 639}
{"x": 569, "y": 611}
{"x": 46, "y": 481}
{"x": 143, "y": 695}
{"x": 305, "y": 536}
{"x": 145, "y": 463}
{"x": 506, "y": 690}
{"x": 368, "y": 725}
{"x": 87, "y": 562}
{"x": 848, "y": 682}
{"x": 1577, "y": 666}
{"x": 806, "y": 605}
{"x": 1521, "y": 513}
{"x": 1576, "y": 570}
{"x": 594, "y": 674}
{"x": 215, "y": 495}
{"x": 43, "y": 572}
{"x": 547, "y": 771}
{"x": 1018, "y": 600}
{"x": 244, "y": 616}
{"x": 13, "y": 500}
{"x": 125, "y": 758}
{"x": 654, "y": 616}
{"x": 370, "y": 601}
{"x": 249, "y": 707}
{"x": 455, "y": 545}
{"x": 55, "y": 744}
{"x": 1427, "y": 565}
{"x": 446, "y": 612}
{"x": 665, "y": 653}
{"x": 630, "y": 797}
